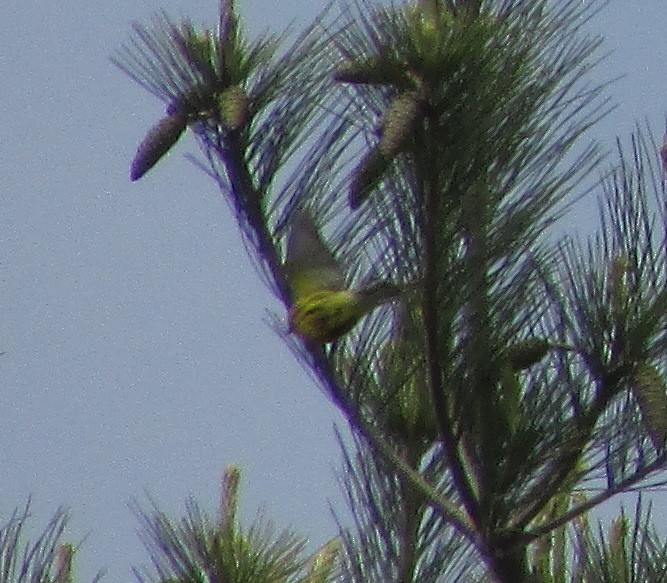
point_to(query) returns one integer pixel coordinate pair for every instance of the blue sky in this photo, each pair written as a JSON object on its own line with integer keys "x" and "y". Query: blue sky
{"x": 137, "y": 360}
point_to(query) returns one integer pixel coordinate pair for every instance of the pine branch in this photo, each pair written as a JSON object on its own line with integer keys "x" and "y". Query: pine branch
{"x": 197, "y": 548}
{"x": 434, "y": 363}
{"x": 616, "y": 294}
{"x": 448, "y": 510}
{"x": 405, "y": 545}
{"x": 47, "y": 558}
{"x": 455, "y": 194}
{"x": 580, "y": 509}
{"x": 565, "y": 463}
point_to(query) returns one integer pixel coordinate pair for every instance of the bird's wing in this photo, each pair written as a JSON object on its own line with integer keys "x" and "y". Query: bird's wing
{"x": 310, "y": 265}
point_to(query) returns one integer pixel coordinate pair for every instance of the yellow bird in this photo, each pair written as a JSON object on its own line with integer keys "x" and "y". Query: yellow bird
{"x": 322, "y": 308}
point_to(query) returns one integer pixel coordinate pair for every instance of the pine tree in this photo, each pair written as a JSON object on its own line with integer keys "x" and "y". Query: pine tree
{"x": 435, "y": 144}
{"x": 49, "y": 559}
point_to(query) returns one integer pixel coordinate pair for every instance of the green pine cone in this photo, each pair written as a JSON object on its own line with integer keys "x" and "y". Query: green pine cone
{"x": 372, "y": 71}
{"x": 367, "y": 176}
{"x": 651, "y": 394}
{"x": 158, "y": 141}
{"x": 399, "y": 123}
{"x": 525, "y": 354}
{"x": 234, "y": 107}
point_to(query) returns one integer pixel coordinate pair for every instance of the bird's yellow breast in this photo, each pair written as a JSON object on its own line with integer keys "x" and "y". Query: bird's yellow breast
{"x": 324, "y": 316}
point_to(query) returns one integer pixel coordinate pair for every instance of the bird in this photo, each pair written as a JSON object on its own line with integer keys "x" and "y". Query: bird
{"x": 322, "y": 308}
